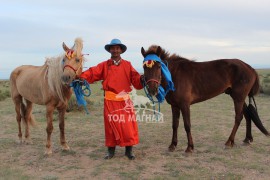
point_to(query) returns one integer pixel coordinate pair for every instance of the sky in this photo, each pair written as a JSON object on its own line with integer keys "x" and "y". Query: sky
{"x": 199, "y": 30}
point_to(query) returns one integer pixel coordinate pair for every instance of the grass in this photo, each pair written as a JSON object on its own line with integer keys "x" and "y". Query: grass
{"x": 49, "y": 177}
{"x": 211, "y": 121}
{"x": 4, "y": 90}
{"x": 9, "y": 173}
{"x": 264, "y": 75}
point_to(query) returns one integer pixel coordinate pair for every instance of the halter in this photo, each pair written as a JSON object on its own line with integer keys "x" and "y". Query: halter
{"x": 150, "y": 97}
{"x": 70, "y": 54}
{"x": 75, "y": 71}
{"x": 153, "y": 80}
{"x": 150, "y": 64}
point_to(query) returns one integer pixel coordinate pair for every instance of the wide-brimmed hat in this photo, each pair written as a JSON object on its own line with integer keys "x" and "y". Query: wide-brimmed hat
{"x": 116, "y": 42}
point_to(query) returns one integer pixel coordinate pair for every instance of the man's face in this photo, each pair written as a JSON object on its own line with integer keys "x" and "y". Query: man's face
{"x": 115, "y": 51}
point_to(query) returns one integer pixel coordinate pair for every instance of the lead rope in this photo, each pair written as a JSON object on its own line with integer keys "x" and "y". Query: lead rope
{"x": 81, "y": 89}
{"x": 150, "y": 97}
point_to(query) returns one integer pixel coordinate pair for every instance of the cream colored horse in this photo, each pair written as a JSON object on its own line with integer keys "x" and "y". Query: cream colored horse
{"x": 46, "y": 85}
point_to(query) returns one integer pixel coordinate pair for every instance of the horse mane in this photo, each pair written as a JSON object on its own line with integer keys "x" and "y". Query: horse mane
{"x": 165, "y": 55}
{"x": 54, "y": 73}
{"x": 55, "y": 70}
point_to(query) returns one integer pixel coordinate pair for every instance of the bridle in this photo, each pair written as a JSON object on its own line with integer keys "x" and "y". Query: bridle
{"x": 150, "y": 97}
{"x": 69, "y": 66}
{"x": 70, "y": 54}
{"x": 150, "y": 65}
{"x": 146, "y": 87}
{"x": 153, "y": 80}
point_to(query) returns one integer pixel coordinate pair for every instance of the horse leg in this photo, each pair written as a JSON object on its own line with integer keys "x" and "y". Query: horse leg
{"x": 63, "y": 142}
{"x": 49, "y": 129}
{"x": 176, "y": 115}
{"x": 27, "y": 117}
{"x": 249, "y": 137}
{"x": 185, "y": 109}
{"x": 238, "y": 106}
{"x": 17, "y": 102}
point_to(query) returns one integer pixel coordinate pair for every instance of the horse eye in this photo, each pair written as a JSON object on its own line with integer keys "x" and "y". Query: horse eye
{"x": 63, "y": 61}
{"x": 77, "y": 60}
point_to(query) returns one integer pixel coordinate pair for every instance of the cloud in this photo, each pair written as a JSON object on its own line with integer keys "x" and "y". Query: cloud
{"x": 203, "y": 30}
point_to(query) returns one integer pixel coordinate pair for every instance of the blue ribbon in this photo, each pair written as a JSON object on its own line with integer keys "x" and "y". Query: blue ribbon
{"x": 167, "y": 75}
{"x": 80, "y": 92}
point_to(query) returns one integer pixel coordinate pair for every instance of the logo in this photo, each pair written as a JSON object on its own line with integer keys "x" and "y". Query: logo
{"x": 137, "y": 108}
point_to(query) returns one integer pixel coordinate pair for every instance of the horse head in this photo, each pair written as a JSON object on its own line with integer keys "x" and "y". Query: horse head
{"x": 72, "y": 62}
{"x": 152, "y": 69}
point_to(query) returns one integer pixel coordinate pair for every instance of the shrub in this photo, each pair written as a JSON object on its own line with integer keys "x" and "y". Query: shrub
{"x": 4, "y": 94}
{"x": 266, "y": 88}
{"x": 73, "y": 106}
{"x": 266, "y": 80}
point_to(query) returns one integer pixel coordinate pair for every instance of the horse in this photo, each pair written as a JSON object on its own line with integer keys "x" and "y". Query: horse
{"x": 199, "y": 81}
{"x": 47, "y": 85}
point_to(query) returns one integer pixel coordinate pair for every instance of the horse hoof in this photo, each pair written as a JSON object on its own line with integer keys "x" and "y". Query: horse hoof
{"x": 229, "y": 144}
{"x": 172, "y": 148}
{"x": 248, "y": 141}
{"x": 65, "y": 147}
{"x": 246, "y": 144}
{"x": 227, "y": 147}
{"x": 20, "y": 142}
{"x": 188, "y": 154}
{"x": 189, "y": 151}
{"x": 48, "y": 152}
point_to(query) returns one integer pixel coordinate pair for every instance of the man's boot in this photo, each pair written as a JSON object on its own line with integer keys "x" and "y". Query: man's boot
{"x": 129, "y": 153}
{"x": 110, "y": 154}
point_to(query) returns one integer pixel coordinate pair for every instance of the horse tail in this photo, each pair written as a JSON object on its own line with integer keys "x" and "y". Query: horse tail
{"x": 253, "y": 114}
{"x": 23, "y": 112}
{"x": 250, "y": 110}
{"x": 256, "y": 86}
{"x": 31, "y": 118}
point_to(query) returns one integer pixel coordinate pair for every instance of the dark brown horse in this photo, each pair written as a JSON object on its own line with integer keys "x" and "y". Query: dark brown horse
{"x": 198, "y": 81}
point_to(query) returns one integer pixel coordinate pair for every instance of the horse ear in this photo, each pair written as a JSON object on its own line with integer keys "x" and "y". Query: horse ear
{"x": 158, "y": 51}
{"x": 65, "y": 47}
{"x": 143, "y": 51}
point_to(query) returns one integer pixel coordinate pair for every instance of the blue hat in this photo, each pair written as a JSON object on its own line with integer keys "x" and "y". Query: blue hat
{"x": 115, "y": 42}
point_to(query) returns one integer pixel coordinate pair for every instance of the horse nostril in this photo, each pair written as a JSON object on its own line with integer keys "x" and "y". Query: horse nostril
{"x": 66, "y": 78}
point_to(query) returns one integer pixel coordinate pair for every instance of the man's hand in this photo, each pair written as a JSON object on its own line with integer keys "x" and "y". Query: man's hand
{"x": 142, "y": 79}
{"x": 81, "y": 81}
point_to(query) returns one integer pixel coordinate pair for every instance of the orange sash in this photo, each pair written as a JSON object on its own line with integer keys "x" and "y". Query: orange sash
{"x": 109, "y": 95}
